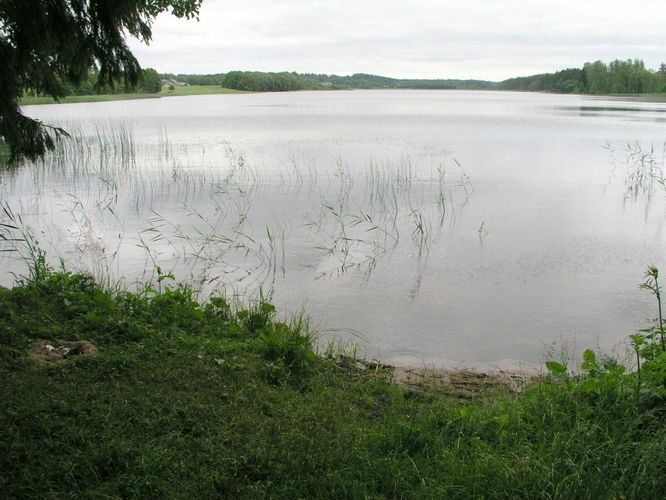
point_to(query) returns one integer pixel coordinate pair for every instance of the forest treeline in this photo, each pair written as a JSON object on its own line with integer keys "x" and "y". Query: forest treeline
{"x": 617, "y": 77}
{"x": 267, "y": 82}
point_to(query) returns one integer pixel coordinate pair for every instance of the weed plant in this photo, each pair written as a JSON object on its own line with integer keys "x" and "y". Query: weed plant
{"x": 196, "y": 400}
{"x": 120, "y": 207}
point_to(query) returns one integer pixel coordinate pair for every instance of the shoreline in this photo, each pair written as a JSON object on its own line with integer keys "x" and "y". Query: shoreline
{"x": 192, "y": 90}
{"x": 177, "y": 92}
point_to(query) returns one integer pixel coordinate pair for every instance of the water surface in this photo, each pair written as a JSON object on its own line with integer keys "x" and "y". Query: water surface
{"x": 446, "y": 227}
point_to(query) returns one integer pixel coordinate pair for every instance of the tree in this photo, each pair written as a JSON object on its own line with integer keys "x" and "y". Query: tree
{"x": 150, "y": 81}
{"x": 597, "y": 78}
{"x": 45, "y": 45}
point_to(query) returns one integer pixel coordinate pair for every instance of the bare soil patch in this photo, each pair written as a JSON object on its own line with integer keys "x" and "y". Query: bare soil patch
{"x": 60, "y": 351}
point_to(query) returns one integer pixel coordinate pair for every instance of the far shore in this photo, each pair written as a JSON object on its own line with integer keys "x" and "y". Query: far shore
{"x": 188, "y": 90}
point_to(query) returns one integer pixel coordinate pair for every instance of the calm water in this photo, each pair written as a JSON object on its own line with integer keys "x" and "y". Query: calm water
{"x": 443, "y": 227}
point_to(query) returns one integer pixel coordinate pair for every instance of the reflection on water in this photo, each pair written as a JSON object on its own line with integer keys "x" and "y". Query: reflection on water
{"x": 618, "y": 109}
{"x": 443, "y": 226}
{"x": 596, "y": 107}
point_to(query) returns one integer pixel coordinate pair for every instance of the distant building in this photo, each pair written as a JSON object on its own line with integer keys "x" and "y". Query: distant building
{"x": 175, "y": 83}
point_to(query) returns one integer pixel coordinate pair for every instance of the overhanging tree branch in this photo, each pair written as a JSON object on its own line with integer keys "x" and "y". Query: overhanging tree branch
{"x": 47, "y": 43}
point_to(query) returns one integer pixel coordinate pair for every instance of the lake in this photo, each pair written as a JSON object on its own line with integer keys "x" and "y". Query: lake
{"x": 446, "y": 228}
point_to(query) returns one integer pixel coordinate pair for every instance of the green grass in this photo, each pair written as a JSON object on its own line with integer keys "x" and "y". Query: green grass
{"x": 177, "y": 91}
{"x": 28, "y": 100}
{"x": 199, "y": 90}
{"x": 186, "y": 400}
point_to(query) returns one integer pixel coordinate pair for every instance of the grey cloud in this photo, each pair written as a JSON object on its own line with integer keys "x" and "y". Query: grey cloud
{"x": 447, "y": 39}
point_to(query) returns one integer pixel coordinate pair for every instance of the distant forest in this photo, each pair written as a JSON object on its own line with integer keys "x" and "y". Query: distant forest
{"x": 617, "y": 77}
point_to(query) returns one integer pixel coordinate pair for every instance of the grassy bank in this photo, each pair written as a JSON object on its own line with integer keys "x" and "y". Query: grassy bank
{"x": 72, "y": 99}
{"x": 171, "y": 398}
{"x": 166, "y": 92}
{"x": 199, "y": 90}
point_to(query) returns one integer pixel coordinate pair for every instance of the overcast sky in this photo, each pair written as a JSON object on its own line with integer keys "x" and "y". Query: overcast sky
{"x": 490, "y": 40}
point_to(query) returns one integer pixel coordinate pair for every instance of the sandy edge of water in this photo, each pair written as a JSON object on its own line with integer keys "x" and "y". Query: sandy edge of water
{"x": 461, "y": 383}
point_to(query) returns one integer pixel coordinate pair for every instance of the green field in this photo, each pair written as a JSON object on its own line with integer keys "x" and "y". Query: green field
{"x": 199, "y": 90}
{"x": 177, "y": 91}
{"x": 25, "y": 101}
